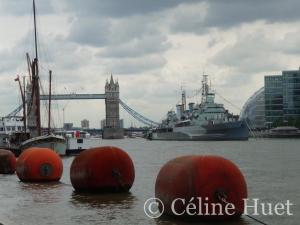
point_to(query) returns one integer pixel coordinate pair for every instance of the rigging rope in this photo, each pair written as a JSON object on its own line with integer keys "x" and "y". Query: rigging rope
{"x": 237, "y": 107}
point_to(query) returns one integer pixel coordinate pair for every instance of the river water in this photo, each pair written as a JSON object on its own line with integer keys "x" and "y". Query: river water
{"x": 271, "y": 168}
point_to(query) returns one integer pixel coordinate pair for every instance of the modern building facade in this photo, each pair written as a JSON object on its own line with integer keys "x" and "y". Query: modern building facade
{"x": 282, "y": 98}
{"x": 273, "y": 99}
{"x": 276, "y": 104}
{"x": 291, "y": 94}
{"x": 253, "y": 110}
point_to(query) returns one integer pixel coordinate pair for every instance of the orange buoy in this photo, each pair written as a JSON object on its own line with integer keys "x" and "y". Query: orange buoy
{"x": 201, "y": 187}
{"x": 7, "y": 162}
{"x": 39, "y": 165}
{"x": 102, "y": 169}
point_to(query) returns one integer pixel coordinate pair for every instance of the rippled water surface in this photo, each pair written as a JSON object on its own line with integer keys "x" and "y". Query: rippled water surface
{"x": 271, "y": 168}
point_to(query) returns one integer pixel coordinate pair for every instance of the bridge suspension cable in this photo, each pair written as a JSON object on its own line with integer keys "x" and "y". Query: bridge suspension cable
{"x": 138, "y": 116}
{"x": 15, "y": 112}
{"x": 132, "y": 112}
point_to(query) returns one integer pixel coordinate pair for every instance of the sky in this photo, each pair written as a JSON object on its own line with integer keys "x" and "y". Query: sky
{"x": 154, "y": 48}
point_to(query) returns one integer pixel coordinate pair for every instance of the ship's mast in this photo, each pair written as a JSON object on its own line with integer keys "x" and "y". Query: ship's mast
{"x": 49, "y": 113}
{"x": 35, "y": 33}
{"x": 205, "y": 88}
{"x": 183, "y": 98}
{"x": 35, "y": 77}
{"x": 24, "y": 105}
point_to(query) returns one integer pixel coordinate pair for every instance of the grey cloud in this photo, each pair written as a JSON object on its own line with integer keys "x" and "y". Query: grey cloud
{"x": 121, "y": 8}
{"x": 136, "y": 65}
{"x": 121, "y": 41}
{"x": 289, "y": 44}
{"x": 256, "y": 53}
{"x": 225, "y": 14}
{"x": 253, "y": 53}
{"x": 134, "y": 27}
{"x": 233, "y": 12}
{"x": 53, "y": 49}
{"x": 69, "y": 55}
{"x": 137, "y": 47}
{"x": 7, "y": 61}
{"x": 188, "y": 18}
{"x": 11, "y": 58}
{"x": 24, "y": 7}
{"x": 98, "y": 31}
{"x": 90, "y": 31}
{"x": 54, "y": 53}
{"x": 9, "y": 92}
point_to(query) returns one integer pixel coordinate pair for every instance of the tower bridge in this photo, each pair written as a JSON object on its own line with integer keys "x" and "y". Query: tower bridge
{"x": 112, "y": 102}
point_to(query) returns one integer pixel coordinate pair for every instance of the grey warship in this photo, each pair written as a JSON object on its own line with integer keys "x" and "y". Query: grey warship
{"x": 207, "y": 121}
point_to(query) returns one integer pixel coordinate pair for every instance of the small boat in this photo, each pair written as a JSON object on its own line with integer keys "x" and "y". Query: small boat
{"x": 55, "y": 142}
{"x": 135, "y": 134}
{"x": 78, "y": 140}
{"x": 132, "y": 135}
{"x": 12, "y": 132}
{"x": 282, "y": 132}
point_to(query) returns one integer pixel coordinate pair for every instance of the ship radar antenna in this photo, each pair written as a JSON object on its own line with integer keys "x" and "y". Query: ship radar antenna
{"x": 205, "y": 88}
{"x": 183, "y": 97}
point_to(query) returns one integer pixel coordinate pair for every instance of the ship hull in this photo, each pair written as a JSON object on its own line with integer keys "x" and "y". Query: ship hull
{"x": 214, "y": 132}
{"x": 56, "y": 143}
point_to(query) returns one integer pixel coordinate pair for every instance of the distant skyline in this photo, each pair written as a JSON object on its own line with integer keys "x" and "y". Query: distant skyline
{"x": 152, "y": 47}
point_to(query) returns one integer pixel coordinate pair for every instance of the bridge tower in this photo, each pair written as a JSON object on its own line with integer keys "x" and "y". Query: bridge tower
{"x": 112, "y": 128}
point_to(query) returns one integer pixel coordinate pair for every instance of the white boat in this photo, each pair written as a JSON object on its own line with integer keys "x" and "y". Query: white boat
{"x": 78, "y": 140}
{"x": 282, "y": 132}
{"x": 135, "y": 134}
{"x": 55, "y": 142}
{"x": 12, "y": 132}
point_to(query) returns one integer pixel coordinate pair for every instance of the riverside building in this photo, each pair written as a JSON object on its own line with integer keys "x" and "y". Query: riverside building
{"x": 282, "y": 98}
{"x": 277, "y": 103}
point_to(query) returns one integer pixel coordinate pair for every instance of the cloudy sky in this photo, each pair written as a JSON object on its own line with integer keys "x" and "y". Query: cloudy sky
{"x": 153, "y": 47}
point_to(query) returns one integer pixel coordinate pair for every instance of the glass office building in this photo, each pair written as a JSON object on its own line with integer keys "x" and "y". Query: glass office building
{"x": 273, "y": 99}
{"x": 278, "y": 103}
{"x": 282, "y": 98}
{"x": 291, "y": 94}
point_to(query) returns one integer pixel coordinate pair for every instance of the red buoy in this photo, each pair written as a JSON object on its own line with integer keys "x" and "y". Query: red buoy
{"x": 39, "y": 165}
{"x": 208, "y": 183}
{"x": 102, "y": 169}
{"x": 7, "y": 162}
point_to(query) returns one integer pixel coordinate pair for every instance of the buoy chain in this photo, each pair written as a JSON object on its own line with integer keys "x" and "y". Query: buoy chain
{"x": 257, "y": 220}
{"x": 221, "y": 196}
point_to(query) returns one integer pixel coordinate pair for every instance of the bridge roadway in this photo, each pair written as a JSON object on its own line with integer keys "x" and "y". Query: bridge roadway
{"x": 73, "y": 96}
